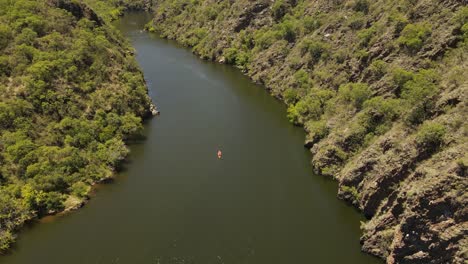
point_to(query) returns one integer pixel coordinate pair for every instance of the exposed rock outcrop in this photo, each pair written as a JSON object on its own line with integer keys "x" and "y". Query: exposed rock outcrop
{"x": 78, "y": 9}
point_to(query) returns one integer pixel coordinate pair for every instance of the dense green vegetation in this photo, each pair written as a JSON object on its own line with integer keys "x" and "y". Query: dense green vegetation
{"x": 379, "y": 86}
{"x": 112, "y": 9}
{"x": 71, "y": 94}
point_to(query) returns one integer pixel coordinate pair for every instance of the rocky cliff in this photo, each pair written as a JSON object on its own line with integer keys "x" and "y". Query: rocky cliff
{"x": 381, "y": 90}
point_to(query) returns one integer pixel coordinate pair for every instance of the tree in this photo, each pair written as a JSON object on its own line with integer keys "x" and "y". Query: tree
{"x": 354, "y": 93}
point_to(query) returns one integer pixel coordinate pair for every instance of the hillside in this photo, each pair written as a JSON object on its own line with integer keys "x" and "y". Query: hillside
{"x": 113, "y": 9}
{"x": 71, "y": 95}
{"x": 380, "y": 88}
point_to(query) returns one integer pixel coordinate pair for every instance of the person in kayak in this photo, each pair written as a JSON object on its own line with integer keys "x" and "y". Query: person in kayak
{"x": 220, "y": 154}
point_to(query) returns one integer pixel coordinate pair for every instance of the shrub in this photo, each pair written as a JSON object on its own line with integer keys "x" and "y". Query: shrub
{"x": 264, "y": 39}
{"x": 361, "y": 6}
{"x": 361, "y": 54}
{"x": 421, "y": 86}
{"x": 462, "y": 166}
{"x": 288, "y": 29}
{"x": 279, "y": 9}
{"x": 197, "y": 35}
{"x": 378, "y": 114}
{"x": 308, "y": 108}
{"x": 150, "y": 27}
{"x": 352, "y": 191}
{"x": 6, "y": 116}
{"x": 322, "y": 95}
{"x": 5, "y": 36}
{"x": 430, "y": 136}
{"x": 464, "y": 31}
{"x": 230, "y": 54}
{"x": 400, "y": 77}
{"x": 311, "y": 24}
{"x": 366, "y": 35}
{"x": 6, "y": 239}
{"x": 317, "y": 130}
{"x": 461, "y": 17}
{"x": 80, "y": 189}
{"x": 417, "y": 90}
{"x": 354, "y": 137}
{"x": 210, "y": 13}
{"x": 399, "y": 21}
{"x": 242, "y": 60}
{"x": 355, "y": 93}
{"x": 356, "y": 21}
{"x": 301, "y": 78}
{"x": 316, "y": 49}
{"x": 419, "y": 112}
{"x": 290, "y": 96}
{"x": 413, "y": 36}
{"x": 461, "y": 22}
{"x": 378, "y": 68}
{"x": 49, "y": 202}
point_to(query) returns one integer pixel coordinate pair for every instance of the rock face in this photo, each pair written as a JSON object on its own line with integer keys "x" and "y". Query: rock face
{"x": 78, "y": 9}
{"x": 408, "y": 59}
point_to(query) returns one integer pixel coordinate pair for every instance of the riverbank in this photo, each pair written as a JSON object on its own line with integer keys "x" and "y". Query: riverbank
{"x": 380, "y": 90}
{"x": 72, "y": 95}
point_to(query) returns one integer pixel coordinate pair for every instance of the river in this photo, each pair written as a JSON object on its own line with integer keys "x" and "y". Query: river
{"x": 176, "y": 202}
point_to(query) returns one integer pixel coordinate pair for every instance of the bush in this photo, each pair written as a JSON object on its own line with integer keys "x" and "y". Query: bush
{"x": 422, "y": 86}
{"x": 400, "y": 77}
{"x": 316, "y": 49}
{"x": 356, "y": 21}
{"x": 430, "y": 136}
{"x": 6, "y": 239}
{"x": 290, "y": 96}
{"x": 355, "y": 93}
{"x": 197, "y": 35}
{"x": 464, "y": 31}
{"x": 230, "y": 54}
{"x": 242, "y": 60}
{"x": 289, "y": 29}
{"x": 311, "y": 24}
{"x": 48, "y": 202}
{"x": 378, "y": 68}
{"x": 317, "y": 130}
{"x": 210, "y": 13}
{"x": 461, "y": 17}
{"x": 417, "y": 90}
{"x": 461, "y": 22}
{"x": 279, "y": 9}
{"x": 80, "y": 189}
{"x": 5, "y": 36}
{"x": 264, "y": 39}
{"x": 366, "y": 35}
{"x": 361, "y": 6}
{"x": 361, "y": 54}
{"x": 305, "y": 109}
{"x": 301, "y": 78}
{"x": 399, "y": 21}
{"x": 352, "y": 191}
{"x": 378, "y": 114}
{"x": 413, "y": 36}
